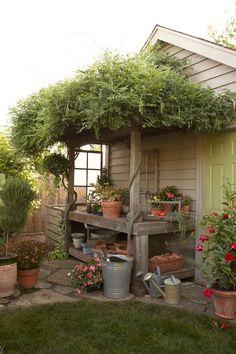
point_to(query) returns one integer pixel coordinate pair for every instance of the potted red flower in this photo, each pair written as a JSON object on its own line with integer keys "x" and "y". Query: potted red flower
{"x": 218, "y": 247}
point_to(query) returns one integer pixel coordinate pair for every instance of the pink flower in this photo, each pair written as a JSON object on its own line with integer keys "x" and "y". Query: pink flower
{"x": 199, "y": 248}
{"x": 214, "y": 213}
{"x": 207, "y": 292}
{"x": 89, "y": 282}
{"x": 92, "y": 268}
{"x": 170, "y": 195}
{"x": 233, "y": 245}
{"x": 229, "y": 257}
{"x": 203, "y": 238}
{"x": 90, "y": 275}
{"x": 77, "y": 291}
{"x": 211, "y": 230}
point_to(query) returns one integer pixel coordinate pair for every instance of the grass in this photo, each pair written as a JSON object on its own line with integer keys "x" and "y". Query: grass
{"x": 111, "y": 327}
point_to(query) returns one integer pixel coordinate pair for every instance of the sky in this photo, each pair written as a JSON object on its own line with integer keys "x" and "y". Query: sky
{"x": 44, "y": 41}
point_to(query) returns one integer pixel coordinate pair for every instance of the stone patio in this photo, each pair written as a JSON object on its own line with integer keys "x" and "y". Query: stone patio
{"x": 54, "y": 286}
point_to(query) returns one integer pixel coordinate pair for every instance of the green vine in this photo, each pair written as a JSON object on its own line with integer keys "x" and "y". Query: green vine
{"x": 148, "y": 89}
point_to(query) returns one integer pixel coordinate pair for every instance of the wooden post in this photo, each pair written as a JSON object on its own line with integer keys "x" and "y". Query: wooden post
{"x": 70, "y": 197}
{"x": 140, "y": 242}
{"x": 141, "y": 251}
{"x": 135, "y": 155}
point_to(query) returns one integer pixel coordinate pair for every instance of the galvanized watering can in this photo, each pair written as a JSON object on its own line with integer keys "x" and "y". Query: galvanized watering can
{"x": 166, "y": 286}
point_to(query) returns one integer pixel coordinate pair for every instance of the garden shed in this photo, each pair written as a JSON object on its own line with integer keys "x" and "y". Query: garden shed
{"x": 146, "y": 153}
{"x": 196, "y": 163}
{"x": 213, "y": 159}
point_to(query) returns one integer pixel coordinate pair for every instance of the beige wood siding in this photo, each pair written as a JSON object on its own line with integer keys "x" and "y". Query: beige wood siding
{"x": 119, "y": 164}
{"x": 206, "y": 71}
{"x": 176, "y": 163}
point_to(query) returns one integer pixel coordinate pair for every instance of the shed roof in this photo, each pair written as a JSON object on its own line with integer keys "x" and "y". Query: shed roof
{"x": 197, "y": 45}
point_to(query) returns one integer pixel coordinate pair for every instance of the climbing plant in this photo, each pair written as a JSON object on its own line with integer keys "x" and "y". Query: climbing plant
{"x": 148, "y": 89}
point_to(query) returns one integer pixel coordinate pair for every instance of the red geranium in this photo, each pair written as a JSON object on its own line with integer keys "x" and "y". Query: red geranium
{"x": 229, "y": 257}
{"x": 207, "y": 292}
{"x": 218, "y": 243}
{"x": 233, "y": 245}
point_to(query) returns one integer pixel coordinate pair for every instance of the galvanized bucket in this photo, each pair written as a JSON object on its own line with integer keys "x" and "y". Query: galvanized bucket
{"x": 116, "y": 272}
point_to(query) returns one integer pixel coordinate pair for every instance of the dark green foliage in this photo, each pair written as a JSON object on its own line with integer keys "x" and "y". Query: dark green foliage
{"x": 148, "y": 90}
{"x": 57, "y": 165}
{"x": 89, "y": 327}
{"x": 16, "y": 197}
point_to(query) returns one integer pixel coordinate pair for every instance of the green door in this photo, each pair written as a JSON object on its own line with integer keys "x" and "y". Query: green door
{"x": 220, "y": 165}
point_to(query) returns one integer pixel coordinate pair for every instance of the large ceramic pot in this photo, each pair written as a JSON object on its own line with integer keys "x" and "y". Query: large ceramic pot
{"x": 27, "y": 278}
{"x": 111, "y": 209}
{"x": 8, "y": 275}
{"x": 225, "y": 304}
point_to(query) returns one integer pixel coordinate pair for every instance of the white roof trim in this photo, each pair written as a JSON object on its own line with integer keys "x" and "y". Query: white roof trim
{"x": 202, "y": 47}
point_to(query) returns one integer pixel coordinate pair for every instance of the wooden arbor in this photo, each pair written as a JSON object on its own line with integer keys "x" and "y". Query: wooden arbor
{"x": 133, "y": 225}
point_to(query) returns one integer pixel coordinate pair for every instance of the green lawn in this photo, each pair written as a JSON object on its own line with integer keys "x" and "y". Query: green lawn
{"x": 111, "y": 327}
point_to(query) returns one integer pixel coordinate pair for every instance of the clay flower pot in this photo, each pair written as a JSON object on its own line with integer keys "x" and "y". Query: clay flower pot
{"x": 225, "y": 304}
{"x": 27, "y": 278}
{"x": 111, "y": 209}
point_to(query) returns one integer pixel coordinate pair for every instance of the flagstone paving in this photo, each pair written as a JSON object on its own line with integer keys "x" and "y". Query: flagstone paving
{"x": 54, "y": 286}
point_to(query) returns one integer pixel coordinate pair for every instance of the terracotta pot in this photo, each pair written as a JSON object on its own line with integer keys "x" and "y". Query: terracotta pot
{"x": 121, "y": 247}
{"x": 111, "y": 209}
{"x": 8, "y": 275}
{"x": 27, "y": 278}
{"x": 163, "y": 210}
{"x": 225, "y": 304}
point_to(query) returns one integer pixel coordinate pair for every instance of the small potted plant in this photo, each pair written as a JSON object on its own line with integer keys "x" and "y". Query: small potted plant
{"x": 29, "y": 255}
{"x": 93, "y": 203}
{"x": 86, "y": 276}
{"x": 110, "y": 199}
{"x": 185, "y": 203}
{"x": 217, "y": 245}
{"x": 166, "y": 194}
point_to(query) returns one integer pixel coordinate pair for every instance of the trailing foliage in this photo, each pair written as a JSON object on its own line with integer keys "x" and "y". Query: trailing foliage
{"x": 57, "y": 165}
{"x": 148, "y": 90}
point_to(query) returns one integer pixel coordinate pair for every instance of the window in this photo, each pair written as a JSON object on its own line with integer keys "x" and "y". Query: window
{"x": 88, "y": 165}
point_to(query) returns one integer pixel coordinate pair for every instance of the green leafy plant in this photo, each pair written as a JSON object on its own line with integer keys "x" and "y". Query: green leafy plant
{"x": 29, "y": 253}
{"x": 168, "y": 193}
{"x": 218, "y": 244}
{"x": 185, "y": 199}
{"x": 107, "y": 192}
{"x": 57, "y": 165}
{"x": 16, "y": 197}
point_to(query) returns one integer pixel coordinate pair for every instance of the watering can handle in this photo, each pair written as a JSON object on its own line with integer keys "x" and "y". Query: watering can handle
{"x": 158, "y": 288}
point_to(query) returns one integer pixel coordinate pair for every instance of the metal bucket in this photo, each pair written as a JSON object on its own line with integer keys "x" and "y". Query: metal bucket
{"x": 116, "y": 271}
